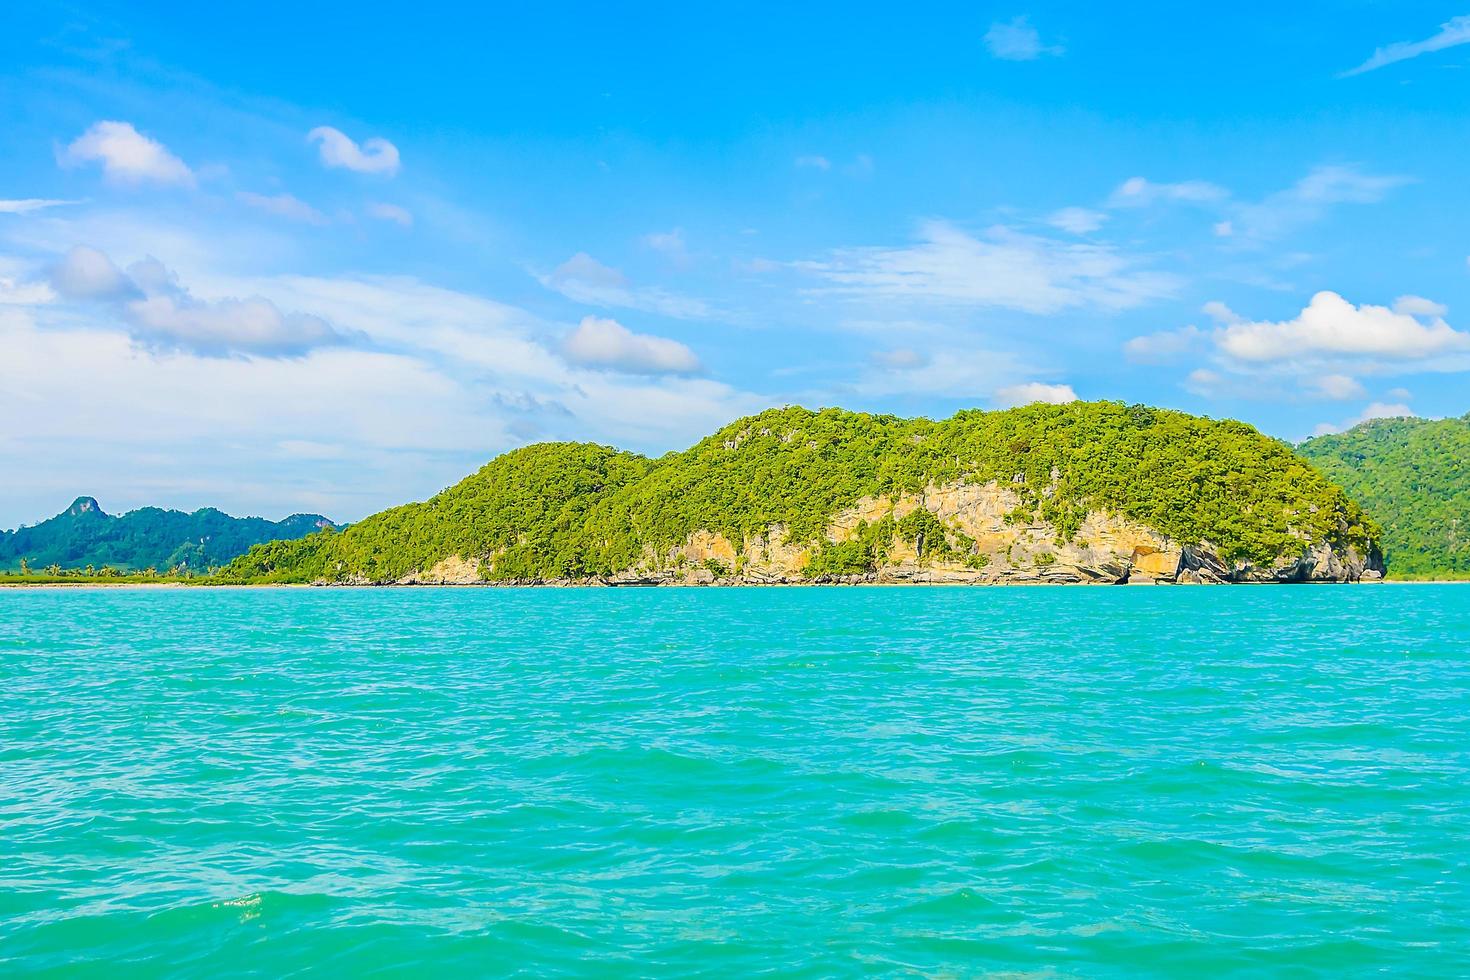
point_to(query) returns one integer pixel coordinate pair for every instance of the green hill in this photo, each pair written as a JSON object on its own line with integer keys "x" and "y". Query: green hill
{"x": 149, "y": 537}
{"x": 1094, "y": 491}
{"x": 1413, "y": 476}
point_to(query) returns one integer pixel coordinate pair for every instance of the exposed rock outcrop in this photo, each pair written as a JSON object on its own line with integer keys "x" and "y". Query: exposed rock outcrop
{"x": 990, "y": 539}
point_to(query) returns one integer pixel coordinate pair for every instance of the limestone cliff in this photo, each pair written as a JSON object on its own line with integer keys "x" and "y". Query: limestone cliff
{"x": 986, "y": 542}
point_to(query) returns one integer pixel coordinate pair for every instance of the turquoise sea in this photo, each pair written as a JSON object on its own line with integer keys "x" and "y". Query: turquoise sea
{"x": 726, "y": 782}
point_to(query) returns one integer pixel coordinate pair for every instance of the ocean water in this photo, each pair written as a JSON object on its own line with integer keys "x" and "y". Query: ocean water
{"x": 805, "y": 782}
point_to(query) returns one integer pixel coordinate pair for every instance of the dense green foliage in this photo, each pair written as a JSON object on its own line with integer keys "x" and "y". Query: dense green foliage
{"x": 571, "y": 510}
{"x": 527, "y": 508}
{"x": 83, "y": 535}
{"x": 1413, "y": 476}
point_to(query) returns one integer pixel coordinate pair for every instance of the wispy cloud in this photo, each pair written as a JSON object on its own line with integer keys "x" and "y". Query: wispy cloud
{"x": 1000, "y": 268}
{"x": 390, "y": 212}
{"x": 283, "y": 206}
{"x": 28, "y": 204}
{"x": 1308, "y": 200}
{"x": 585, "y": 280}
{"x": 1017, "y": 40}
{"x": 1451, "y": 33}
{"x": 1137, "y": 192}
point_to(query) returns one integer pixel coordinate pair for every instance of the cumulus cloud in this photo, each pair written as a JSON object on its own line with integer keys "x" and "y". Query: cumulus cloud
{"x": 26, "y": 205}
{"x": 585, "y": 280}
{"x": 1137, "y": 192}
{"x": 1079, "y": 221}
{"x": 86, "y": 273}
{"x": 337, "y": 149}
{"x": 603, "y": 343}
{"x": 1330, "y": 326}
{"x": 159, "y": 313}
{"x": 813, "y": 161}
{"x": 390, "y": 212}
{"x": 1451, "y": 33}
{"x": 126, "y": 156}
{"x": 1017, "y": 40}
{"x": 1032, "y": 392}
{"x": 1002, "y": 268}
{"x": 283, "y": 206}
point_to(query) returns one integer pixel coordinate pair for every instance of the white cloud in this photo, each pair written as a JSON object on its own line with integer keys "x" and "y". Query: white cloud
{"x": 813, "y": 161}
{"x": 390, "y": 212}
{"x": 126, "y": 156}
{"x": 585, "y": 280}
{"x": 1017, "y": 40}
{"x": 86, "y": 273}
{"x": 900, "y": 358}
{"x": 1032, "y": 392}
{"x": 19, "y": 292}
{"x": 1330, "y": 326}
{"x": 374, "y": 156}
{"x": 161, "y": 314}
{"x": 602, "y": 343}
{"x": 1219, "y": 312}
{"x": 1137, "y": 192}
{"x": 1419, "y": 306}
{"x": 951, "y": 370}
{"x": 1309, "y": 199}
{"x": 1452, "y": 32}
{"x": 1338, "y": 387}
{"x": 1079, "y": 221}
{"x": 28, "y": 204}
{"x": 669, "y": 244}
{"x": 227, "y": 326}
{"x": 1375, "y": 410}
{"x": 1002, "y": 269}
{"x": 1164, "y": 346}
{"x": 283, "y": 206}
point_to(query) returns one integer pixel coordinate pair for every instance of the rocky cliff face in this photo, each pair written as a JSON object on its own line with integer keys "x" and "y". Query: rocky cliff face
{"x": 986, "y": 542}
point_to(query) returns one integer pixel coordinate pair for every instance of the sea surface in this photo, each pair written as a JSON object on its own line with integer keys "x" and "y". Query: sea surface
{"x": 812, "y": 782}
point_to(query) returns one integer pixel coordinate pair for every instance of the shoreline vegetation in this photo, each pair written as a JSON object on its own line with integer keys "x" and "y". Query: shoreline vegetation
{"x": 1088, "y": 492}
{"x": 1084, "y": 493}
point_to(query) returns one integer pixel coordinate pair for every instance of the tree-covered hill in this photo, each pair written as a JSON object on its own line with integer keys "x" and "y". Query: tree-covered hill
{"x": 84, "y": 535}
{"x": 572, "y": 511}
{"x": 1413, "y": 476}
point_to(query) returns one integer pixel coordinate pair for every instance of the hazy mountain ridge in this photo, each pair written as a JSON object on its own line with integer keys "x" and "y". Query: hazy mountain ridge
{"x": 149, "y": 537}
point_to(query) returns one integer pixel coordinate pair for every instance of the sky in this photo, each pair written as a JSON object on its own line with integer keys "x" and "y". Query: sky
{"x": 316, "y": 257}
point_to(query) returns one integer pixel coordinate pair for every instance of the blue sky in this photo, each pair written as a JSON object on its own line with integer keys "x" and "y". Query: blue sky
{"x": 316, "y": 258}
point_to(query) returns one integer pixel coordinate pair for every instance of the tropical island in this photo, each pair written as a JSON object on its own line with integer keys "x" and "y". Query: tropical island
{"x": 1088, "y": 492}
{"x": 1413, "y": 476}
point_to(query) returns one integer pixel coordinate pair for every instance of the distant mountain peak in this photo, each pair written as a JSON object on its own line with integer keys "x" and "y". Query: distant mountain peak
{"x": 85, "y": 505}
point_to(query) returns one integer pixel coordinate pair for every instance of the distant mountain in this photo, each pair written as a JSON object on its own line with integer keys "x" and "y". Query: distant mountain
{"x": 149, "y": 537}
{"x": 1086, "y": 492}
{"x": 1413, "y": 477}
